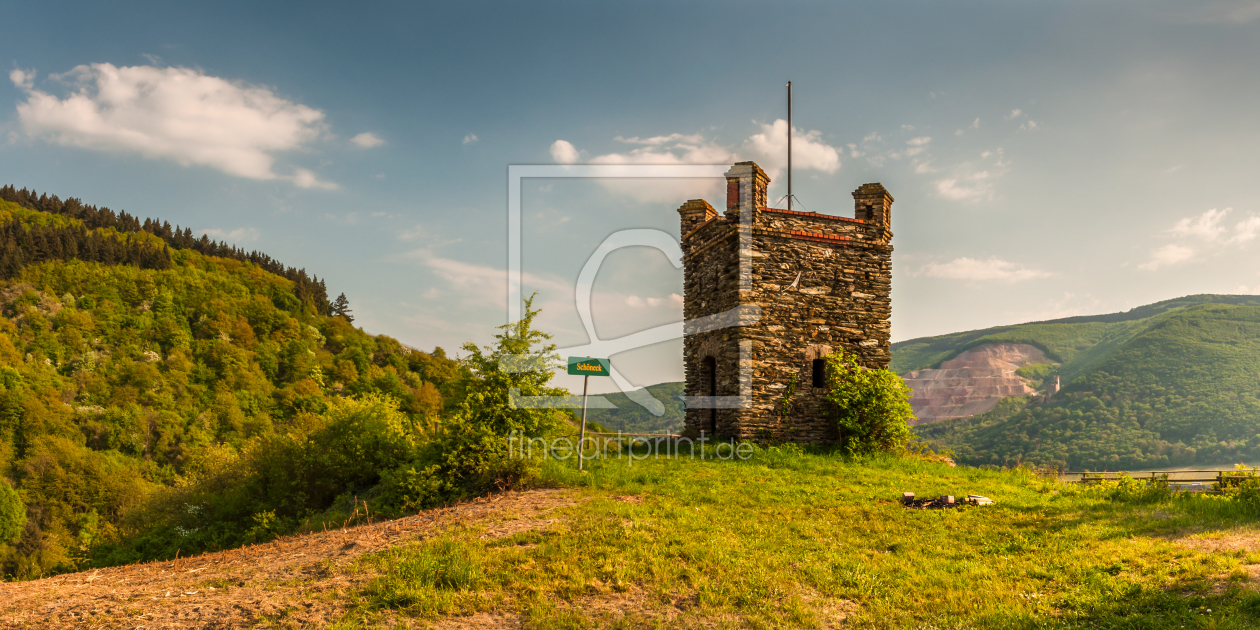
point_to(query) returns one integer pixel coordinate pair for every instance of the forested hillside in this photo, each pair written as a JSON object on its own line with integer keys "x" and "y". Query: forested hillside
{"x": 631, "y": 417}
{"x": 47, "y": 236}
{"x": 1178, "y": 384}
{"x": 1079, "y": 343}
{"x": 155, "y": 399}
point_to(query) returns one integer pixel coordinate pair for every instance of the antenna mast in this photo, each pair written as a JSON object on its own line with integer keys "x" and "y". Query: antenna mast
{"x": 789, "y": 87}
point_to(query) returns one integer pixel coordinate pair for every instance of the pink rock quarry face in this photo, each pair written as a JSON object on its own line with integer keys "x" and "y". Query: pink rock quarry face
{"x": 972, "y": 382}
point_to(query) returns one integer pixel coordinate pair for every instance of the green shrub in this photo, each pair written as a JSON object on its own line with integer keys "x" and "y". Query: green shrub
{"x": 872, "y": 407}
{"x": 1129, "y": 490}
{"x": 470, "y": 455}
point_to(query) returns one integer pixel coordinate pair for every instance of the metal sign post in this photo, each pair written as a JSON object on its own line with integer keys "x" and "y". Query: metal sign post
{"x": 586, "y": 368}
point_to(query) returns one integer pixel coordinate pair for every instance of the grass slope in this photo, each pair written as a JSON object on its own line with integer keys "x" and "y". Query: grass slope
{"x": 790, "y": 540}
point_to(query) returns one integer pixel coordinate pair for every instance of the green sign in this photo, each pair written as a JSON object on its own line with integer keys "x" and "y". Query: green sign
{"x": 585, "y": 366}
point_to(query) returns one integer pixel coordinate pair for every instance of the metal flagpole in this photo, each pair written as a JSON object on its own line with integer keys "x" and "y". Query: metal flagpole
{"x": 586, "y": 380}
{"x": 789, "y": 86}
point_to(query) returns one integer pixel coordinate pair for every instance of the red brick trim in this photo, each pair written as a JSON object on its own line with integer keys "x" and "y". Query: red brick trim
{"x": 814, "y": 215}
{"x": 821, "y": 238}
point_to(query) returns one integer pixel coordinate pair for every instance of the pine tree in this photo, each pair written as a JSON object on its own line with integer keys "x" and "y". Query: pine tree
{"x": 341, "y": 307}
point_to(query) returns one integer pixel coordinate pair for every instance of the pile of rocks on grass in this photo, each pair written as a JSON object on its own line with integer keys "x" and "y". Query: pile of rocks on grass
{"x": 941, "y": 503}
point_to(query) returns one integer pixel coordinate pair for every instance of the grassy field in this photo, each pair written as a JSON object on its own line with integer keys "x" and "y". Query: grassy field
{"x": 792, "y": 540}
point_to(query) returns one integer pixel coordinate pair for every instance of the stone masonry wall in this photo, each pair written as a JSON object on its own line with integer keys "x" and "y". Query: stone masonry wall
{"x": 815, "y": 283}
{"x": 709, "y": 289}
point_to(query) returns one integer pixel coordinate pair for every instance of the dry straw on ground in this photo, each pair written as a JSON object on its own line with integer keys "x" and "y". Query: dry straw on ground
{"x": 294, "y": 581}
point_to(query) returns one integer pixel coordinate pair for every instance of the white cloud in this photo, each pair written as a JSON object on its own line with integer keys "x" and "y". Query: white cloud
{"x": 1206, "y": 226}
{"x": 673, "y": 138}
{"x": 809, "y": 152}
{"x": 917, "y": 145}
{"x": 975, "y": 124}
{"x": 239, "y": 235}
{"x": 412, "y": 234}
{"x": 367, "y": 140}
{"x": 178, "y": 114}
{"x": 768, "y": 148}
{"x": 1209, "y": 227}
{"x": 673, "y": 301}
{"x": 484, "y": 285}
{"x": 952, "y": 188}
{"x": 563, "y": 152}
{"x": 303, "y": 178}
{"x": 23, "y": 79}
{"x": 684, "y": 151}
{"x": 1245, "y": 230}
{"x": 470, "y": 138}
{"x": 634, "y": 301}
{"x": 972, "y": 181}
{"x": 1015, "y": 113}
{"x": 657, "y": 150}
{"x": 1170, "y": 254}
{"x": 979, "y": 270}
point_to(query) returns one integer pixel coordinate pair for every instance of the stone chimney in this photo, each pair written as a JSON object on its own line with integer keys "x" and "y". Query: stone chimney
{"x": 873, "y": 204}
{"x": 693, "y": 214}
{"x": 746, "y": 186}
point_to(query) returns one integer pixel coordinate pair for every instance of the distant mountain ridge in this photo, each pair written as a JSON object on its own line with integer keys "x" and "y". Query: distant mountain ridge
{"x": 1076, "y": 342}
{"x": 631, "y": 417}
{"x": 1171, "y": 383}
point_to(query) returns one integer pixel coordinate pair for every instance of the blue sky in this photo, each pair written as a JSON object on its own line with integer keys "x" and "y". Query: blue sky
{"x": 1046, "y": 159}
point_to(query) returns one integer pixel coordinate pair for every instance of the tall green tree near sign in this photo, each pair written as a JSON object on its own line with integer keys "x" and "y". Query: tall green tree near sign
{"x": 472, "y": 454}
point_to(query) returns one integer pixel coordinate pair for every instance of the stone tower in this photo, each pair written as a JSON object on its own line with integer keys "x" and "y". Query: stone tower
{"x": 767, "y": 294}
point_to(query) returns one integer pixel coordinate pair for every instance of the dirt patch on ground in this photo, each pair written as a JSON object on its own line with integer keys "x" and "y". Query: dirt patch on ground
{"x": 292, "y": 582}
{"x": 1238, "y": 539}
{"x": 637, "y": 608}
{"x": 481, "y": 621}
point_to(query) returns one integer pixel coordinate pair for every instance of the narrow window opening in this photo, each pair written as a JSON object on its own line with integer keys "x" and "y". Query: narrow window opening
{"x": 820, "y": 373}
{"x": 710, "y": 389}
